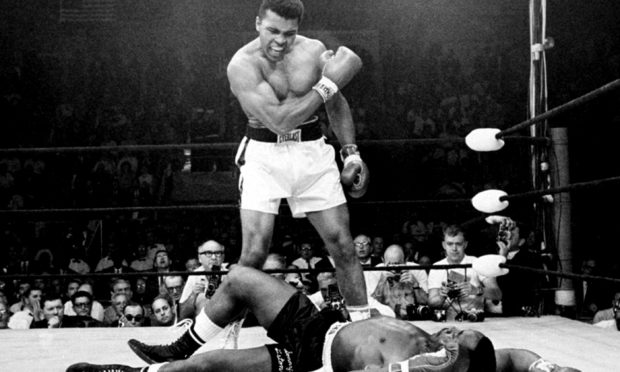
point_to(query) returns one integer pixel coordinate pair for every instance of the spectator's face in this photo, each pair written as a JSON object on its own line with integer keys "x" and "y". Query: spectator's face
{"x": 306, "y": 251}
{"x": 162, "y": 311}
{"x": 454, "y": 247}
{"x": 35, "y": 296}
{"x": 377, "y": 245}
{"x": 119, "y": 302}
{"x": 162, "y": 260}
{"x": 122, "y": 288}
{"x": 23, "y": 287}
{"x": 362, "y": 247}
{"x": 72, "y": 288}
{"x": 52, "y": 309}
{"x": 134, "y": 316}
{"x": 140, "y": 286}
{"x": 211, "y": 254}
{"x": 192, "y": 264}
{"x": 174, "y": 286}
{"x": 82, "y": 306}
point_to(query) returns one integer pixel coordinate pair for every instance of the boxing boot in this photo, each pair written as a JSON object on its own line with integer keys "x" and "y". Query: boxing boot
{"x": 182, "y": 348}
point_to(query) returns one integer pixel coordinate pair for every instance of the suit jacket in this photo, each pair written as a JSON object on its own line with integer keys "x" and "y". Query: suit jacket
{"x": 521, "y": 288}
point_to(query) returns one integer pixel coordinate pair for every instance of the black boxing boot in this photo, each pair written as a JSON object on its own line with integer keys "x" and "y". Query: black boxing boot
{"x": 182, "y": 348}
{"x": 86, "y": 367}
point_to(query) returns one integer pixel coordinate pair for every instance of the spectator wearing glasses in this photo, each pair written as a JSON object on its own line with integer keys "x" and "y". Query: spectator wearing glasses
{"x": 82, "y": 302}
{"x": 133, "y": 316}
{"x": 199, "y": 288}
{"x": 363, "y": 251}
{"x": 97, "y": 308}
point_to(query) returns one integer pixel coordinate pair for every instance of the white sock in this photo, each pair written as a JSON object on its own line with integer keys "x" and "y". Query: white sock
{"x": 205, "y": 328}
{"x": 359, "y": 312}
{"x": 155, "y": 367}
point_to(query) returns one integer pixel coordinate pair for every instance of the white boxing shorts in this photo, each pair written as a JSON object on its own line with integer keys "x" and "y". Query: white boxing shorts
{"x": 305, "y": 173}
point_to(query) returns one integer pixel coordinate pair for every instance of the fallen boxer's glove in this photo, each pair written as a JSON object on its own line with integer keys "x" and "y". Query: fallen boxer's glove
{"x": 355, "y": 174}
{"x": 442, "y": 360}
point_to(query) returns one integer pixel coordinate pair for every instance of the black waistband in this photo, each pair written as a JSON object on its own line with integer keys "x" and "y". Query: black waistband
{"x": 309, "y": 132}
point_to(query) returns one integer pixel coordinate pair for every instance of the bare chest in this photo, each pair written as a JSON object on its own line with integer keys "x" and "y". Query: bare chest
{"x": 290, "y": 79}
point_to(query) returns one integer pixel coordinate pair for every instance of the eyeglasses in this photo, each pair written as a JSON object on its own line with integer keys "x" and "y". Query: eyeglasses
{"x": 361, "y": 244}
{"x": 131, "y": 318}
{"x": 212, "y": 253}
{"x": 82, "y": 304}
{"x": 177, "y": 288}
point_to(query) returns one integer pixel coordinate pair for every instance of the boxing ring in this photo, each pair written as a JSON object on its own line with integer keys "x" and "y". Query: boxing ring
{"x": 561, "y": 340}
{"x": 555, "y": 338}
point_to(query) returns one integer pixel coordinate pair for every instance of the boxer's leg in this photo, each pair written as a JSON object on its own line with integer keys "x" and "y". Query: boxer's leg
{"x": 244, "y": 288}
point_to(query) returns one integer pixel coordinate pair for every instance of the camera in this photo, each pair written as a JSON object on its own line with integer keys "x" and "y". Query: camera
{"x": 453, "y": 292}
{"x": 334, "y": 299}
{"x": 439, "y": 315}
{"x": 393, "y": 279}
{"x": 213, "y": 281}
{"x": 472, "y": 315}
{"x": 414, "y": 312}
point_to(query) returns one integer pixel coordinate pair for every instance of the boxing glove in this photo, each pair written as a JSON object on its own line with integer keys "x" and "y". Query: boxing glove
{"x": 338, "y": 70}
{"x": 442, "y": 360}
{"x": 355, "y": 175}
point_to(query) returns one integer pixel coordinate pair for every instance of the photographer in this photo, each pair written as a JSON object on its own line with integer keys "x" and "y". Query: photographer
{"x": 199, "y": 288}
{"x": 415, "y": 280}
{"x": 329, "y": 296}
{"x": 460, "y": 292}
{"x": 520, "y": 290}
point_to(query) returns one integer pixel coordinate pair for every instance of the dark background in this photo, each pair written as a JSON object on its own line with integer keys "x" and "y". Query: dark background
{"x": 399, "y": 39}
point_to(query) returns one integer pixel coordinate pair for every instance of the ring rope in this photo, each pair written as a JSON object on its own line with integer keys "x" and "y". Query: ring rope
{"x": 310, "y": 271}
{"x": 206, "y": 207}
{"x": 234, "y": 145}
{"x": 560, "y": 109}
{"x": 557, "y": 190}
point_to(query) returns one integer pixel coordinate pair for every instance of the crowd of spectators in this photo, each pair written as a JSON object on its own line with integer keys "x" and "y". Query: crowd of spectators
{"x": 165, "y": 295}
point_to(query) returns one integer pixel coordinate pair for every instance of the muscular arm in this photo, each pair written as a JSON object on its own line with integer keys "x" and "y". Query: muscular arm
{"x": 340, "y": 118}
{"x": 259, "y": 99}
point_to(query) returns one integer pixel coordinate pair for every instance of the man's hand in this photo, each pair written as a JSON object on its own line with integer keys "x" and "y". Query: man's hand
{"x": 200, "y": 286}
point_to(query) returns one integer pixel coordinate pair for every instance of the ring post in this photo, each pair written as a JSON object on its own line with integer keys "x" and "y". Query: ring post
{"x": 565, "y": 294}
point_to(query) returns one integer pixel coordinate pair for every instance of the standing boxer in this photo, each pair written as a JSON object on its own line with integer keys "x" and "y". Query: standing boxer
{"x": 280, "y": 79}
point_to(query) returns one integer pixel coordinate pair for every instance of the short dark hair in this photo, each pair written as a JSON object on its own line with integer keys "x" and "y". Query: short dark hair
{"x": 453, "y": 230}
{"x": 288, "y": 9}
{"x": 49, "y": 297}
{"x": 482, "y": 358}
{"x": 81, "y": 294}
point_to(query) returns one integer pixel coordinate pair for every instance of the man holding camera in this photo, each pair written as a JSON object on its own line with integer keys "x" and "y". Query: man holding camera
{"x": 397, "y": 288}
{"x": 198, "y": 288}
{"x": 460, "y": 292}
